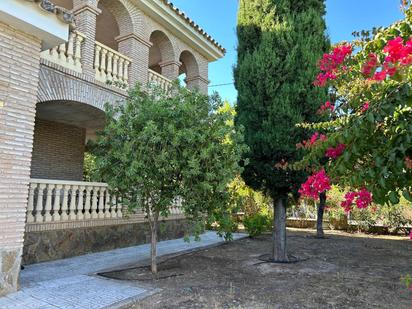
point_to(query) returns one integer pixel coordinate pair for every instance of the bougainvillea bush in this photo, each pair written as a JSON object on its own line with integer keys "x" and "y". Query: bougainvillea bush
{"x": 367, "y": 140}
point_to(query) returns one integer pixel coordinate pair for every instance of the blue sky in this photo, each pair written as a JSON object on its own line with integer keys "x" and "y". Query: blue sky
{"x": 218, "y": 18}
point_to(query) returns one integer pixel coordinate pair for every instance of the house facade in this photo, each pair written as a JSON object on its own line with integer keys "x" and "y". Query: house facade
{"x": 60, "y": 63}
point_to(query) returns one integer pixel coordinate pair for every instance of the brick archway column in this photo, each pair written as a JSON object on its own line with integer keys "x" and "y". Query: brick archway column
{"x": 19, "y": 77}
{"x": 170, "y": 69}
{"x": 136, "y": 48}
{"x": 85, "y": 13}
{"x": 197, "y": 82}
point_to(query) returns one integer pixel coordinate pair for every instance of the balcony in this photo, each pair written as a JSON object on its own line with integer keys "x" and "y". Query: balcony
{"x": 111, "y": 67}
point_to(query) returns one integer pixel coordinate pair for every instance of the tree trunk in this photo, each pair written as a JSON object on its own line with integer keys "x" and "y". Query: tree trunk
{"x": 279, "y": 231}
{"x": 153, "y": 221}
{"x": 321, "y": 209}
{"x": 153, "y": 247}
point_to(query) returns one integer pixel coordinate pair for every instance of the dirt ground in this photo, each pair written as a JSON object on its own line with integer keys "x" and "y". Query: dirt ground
{"x": 342, "y": 271}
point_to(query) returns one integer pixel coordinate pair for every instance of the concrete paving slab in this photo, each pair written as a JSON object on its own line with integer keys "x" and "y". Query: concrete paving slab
{"x": 72, "y": 282}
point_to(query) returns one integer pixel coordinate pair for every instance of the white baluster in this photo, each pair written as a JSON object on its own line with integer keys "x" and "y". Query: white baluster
{"x": 103, "y": 64}
{"x": 126, "y": 72}
{"x": 115, "y": 66}
{"x": 62, "y": 53}
{"x": 48, "y": 206}
{"x": 39, "y": 205}
{"x": 120, "y": 75}
{"x": 94, "y": 204}
{"x": 30, "y": 206}
{"x": 54, "y": 55}
{"x": 64, "y": 215}
{"x": 70, "y": 49}
{"x": 72, "y": 209}
{"x": 56, "y": 205}
{"x": 108, "y": 206}
{"x": 97, "y": 61}
{"x": 80, "y": 214}
{"x": 87, "y": 206}
{"x": 109, "y": 65}
{"x": 101, "y": 203}
{"x": 78, "y": 51}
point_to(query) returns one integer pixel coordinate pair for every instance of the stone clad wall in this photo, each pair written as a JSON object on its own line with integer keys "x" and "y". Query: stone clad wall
{"x": 58, "y": 151}
{"x": 19, "y": 71}
{"x": 58, "y": 244}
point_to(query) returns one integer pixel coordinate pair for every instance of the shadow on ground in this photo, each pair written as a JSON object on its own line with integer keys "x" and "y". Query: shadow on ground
{"x": 341, "y": 271}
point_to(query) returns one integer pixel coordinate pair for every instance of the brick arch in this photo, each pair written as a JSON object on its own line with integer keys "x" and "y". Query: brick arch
{"x": 57, "y": 86}
{"x": 189, "y": 66}
{"x": 122, "y": 11}
{"x": 161, "y": 52}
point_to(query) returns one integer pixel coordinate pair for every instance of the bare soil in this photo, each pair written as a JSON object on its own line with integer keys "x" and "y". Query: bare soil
{"x": 342, "y": 271}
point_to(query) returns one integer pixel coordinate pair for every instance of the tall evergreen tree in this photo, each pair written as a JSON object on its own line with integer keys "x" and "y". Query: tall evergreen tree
{"x": 280, "y": 42}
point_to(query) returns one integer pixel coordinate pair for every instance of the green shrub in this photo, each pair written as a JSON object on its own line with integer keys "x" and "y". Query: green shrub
{"x": 257, "y": 224}
{"x": 89, "y": 167}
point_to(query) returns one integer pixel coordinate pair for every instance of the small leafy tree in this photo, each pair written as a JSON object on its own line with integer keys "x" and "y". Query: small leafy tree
{"x": 159, "y": 147}
{"x": 368, "y": 144}
{"x": 280, "y": 42}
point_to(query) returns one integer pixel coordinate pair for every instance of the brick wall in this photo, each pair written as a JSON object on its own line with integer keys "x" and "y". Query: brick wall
{"x": 19, "y": 71}
{"x": 58, "y": 151}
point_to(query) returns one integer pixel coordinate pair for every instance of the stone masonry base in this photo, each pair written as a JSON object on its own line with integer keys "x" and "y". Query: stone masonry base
{"x": 9, "y": 270}
{"x": 58, "y": 244}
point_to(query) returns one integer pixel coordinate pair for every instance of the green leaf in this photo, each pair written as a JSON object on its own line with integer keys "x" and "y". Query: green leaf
{"x": 407, "y": 195}
{"x": 393, "y": 198}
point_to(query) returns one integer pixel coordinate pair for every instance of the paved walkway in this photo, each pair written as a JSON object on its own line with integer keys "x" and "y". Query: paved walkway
{"x": 73, "y": 283}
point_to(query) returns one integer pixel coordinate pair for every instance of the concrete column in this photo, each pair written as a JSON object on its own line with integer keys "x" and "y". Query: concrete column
{"x": 170, "y": 69}
{"x": 197, "y": 82}
{"x": 136, "y": 48}
{"x": 85, "y": 13}
{"x": 19, "y": 77}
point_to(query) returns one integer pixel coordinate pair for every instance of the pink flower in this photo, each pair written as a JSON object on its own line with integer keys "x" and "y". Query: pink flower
{"x": 315, "y": 184}
{"x": 327, "y": 106}
{"x": 347, "y": 203}
{"x": 330, "y": 63}
{"x": 335, "y": 152}
{"x": 410, "y": 237}
{"x": 363, "y": 199}
{"x": 365, "y": 107}
{"x": 397, "y": 51}
{"x": 380, "y": 76}
{"x": 313, "y": 138}
{"x": 370, "y": 65}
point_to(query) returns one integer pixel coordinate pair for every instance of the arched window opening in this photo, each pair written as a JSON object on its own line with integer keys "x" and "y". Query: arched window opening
{"x": 107, "y": 28}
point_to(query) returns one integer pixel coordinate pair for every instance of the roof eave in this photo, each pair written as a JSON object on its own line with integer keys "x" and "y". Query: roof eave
{"x": 162, "y": 13}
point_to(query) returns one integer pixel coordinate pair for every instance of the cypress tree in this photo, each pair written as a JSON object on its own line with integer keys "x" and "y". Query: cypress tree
{"x": 280, "y": 42}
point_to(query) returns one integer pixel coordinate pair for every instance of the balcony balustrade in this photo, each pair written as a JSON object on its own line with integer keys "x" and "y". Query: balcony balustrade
{"x": 57, "y": 201}
{"x": 111, "y": 66}
{"x": 52, "y": 201}
{"x": 68, "y": 54}
{"x": 160, "y": 80}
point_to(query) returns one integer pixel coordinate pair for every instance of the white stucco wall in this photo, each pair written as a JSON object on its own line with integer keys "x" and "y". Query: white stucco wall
{"x": 30, "y": 18}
